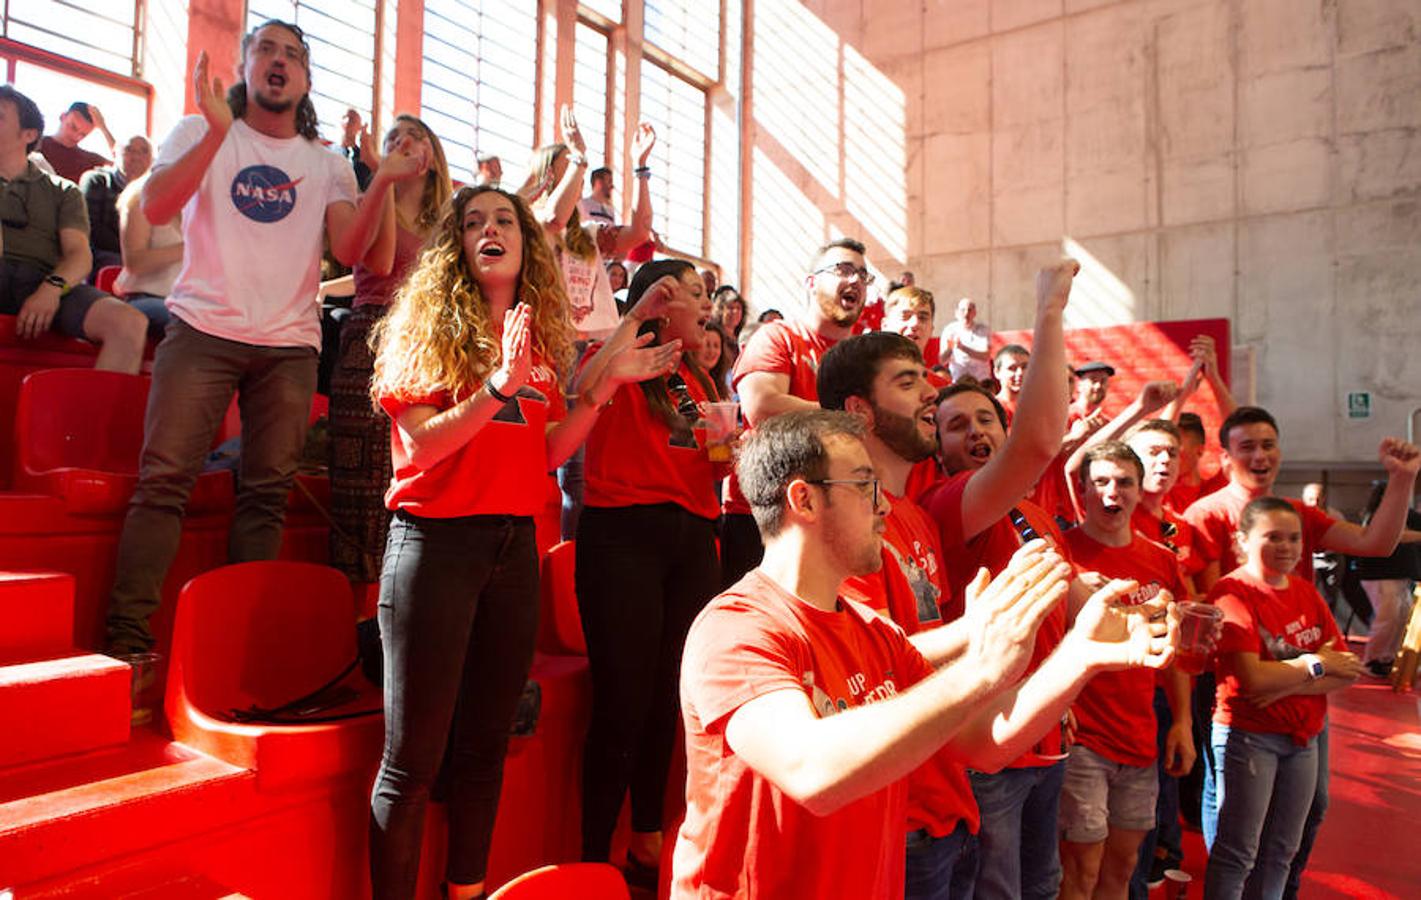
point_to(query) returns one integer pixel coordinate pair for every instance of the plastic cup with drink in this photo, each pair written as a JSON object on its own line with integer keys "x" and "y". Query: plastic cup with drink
{"x": 722, "y": 422}
{"x": 1197, "y": 623}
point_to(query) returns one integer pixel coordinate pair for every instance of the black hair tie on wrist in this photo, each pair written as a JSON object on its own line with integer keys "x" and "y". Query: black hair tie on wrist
{"x": 495, "y": 393}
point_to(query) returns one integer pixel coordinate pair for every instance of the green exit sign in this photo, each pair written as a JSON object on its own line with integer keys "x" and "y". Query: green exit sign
{"x": 1359, "y": 404}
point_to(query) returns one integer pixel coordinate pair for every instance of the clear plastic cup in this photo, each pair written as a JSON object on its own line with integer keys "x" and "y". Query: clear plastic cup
{"x": 142, "y": 686}
{"x": 1196, "y": 626}
{"x": 722, "y": 421}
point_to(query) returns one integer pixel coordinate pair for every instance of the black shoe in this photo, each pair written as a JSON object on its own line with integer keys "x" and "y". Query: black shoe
{"x": 639, "y": 874}
{"x": 1379, "y": 668}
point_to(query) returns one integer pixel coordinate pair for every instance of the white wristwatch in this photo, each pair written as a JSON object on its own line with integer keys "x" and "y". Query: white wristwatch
{"x": 1314, "y": 666}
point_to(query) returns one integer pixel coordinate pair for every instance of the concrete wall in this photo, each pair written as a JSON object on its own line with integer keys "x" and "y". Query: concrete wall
{"x": 1253, "y": 159}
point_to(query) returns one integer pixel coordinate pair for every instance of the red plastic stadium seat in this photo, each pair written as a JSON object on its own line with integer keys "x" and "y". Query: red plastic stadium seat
{"x": 586, "y": 881}
{"x": 264, "y": 634}
{"x": 106, "y": 277}
{"x": 80, "y": 433}
{"x": 562, "y": 623}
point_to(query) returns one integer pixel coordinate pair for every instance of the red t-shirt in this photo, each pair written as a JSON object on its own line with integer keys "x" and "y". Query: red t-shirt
{"x": 1181, "y": 542}
{"x": 935, "y": 378}
{"x": 1052, "y": 493}
{"x": 634, "y": 458}
{"x": 992, "y": 549}
{"x": 1182, "y": 495}
{"x": 1278, "y": 624}
{"x": 1215, "y": 523}
{"x": 908, "y": 589}
{"x": 1008, "y": 407}
{"x": 742, "y": 837}
{"x": 503, "y": 470}
{"x": 786, "y": 347}
{"x": 1115, "y": 712}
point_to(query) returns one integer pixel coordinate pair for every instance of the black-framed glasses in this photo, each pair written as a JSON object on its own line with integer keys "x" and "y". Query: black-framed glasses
{"x": 847, "y": 270}
{"x": 874, "y": 490}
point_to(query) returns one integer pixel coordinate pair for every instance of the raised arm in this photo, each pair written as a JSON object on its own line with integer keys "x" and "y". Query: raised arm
{"x": 1152, "y": 396}
{"x": 353, "y": 230}
{"x": 169, "y": 187}
{"x": 639, "y": 230}
{"x": 1040, "y": 419}
{"x": 103, "y": 127}
{"x": 564, "y": 196}
{"x": 1380, "y": 535}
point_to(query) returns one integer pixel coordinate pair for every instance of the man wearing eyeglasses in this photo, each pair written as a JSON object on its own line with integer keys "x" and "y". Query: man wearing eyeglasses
{"x": 805, "y": 711}
{"x": 775, "y": 373}
{"x": 46, "y": 250}
{"x": 258, "y": 193}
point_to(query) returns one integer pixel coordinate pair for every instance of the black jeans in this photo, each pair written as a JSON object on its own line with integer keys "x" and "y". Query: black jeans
{"x": 458, "y": 617}
{"x": 643, "y": 573}
{"x": 740, "y": 547}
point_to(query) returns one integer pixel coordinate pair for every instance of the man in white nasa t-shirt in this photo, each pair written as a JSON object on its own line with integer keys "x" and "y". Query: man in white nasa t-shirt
{"x": 257, "y": 191}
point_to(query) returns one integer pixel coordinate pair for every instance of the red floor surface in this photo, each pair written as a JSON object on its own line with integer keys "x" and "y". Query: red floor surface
{"x": 1367, "y": 849}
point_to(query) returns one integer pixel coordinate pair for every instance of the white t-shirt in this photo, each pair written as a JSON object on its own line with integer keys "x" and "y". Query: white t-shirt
{"x": 979, "y": 338}
{"x": 253, "y": 234}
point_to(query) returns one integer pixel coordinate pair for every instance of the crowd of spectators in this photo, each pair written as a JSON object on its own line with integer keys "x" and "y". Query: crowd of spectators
{"x": 922, "y": 636}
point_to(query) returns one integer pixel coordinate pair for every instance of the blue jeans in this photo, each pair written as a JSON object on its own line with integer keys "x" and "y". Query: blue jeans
{"x": 1314, "y": 821}
{"x": 1265, "y": 787}
{"x": 932, "y": 865}
{"x": 1018, "y": 846}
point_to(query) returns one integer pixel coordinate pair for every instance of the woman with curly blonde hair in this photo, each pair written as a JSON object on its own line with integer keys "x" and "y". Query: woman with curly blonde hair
{"x": 467, "y": 367}
{"x": 359, "y": 460}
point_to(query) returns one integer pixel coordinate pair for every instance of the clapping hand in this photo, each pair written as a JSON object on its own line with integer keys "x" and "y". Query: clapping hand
{"x": 517, "y": 342}
{"x": 1117, "y": 636}
{"x": 1003, "y": 615}
{"x": 210, "y": 97}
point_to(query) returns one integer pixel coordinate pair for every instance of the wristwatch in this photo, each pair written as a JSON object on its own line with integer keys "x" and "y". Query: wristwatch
{"x": 1314, "y": 665}
{"x": 57, "y": 280}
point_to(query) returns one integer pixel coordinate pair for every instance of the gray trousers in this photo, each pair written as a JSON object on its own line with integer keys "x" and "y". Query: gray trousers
{"x": 194, "y": 377}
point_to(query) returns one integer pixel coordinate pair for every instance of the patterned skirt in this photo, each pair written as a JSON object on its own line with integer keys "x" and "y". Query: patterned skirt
{"x": 360, "y": 467}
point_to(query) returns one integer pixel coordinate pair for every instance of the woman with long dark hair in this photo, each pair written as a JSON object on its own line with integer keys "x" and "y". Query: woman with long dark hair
{"x": 467, "y": 367}
{"x": 646, "y": 564}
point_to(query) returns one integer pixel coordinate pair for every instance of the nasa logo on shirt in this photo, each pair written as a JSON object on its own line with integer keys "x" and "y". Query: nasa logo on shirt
{"x": 264, "y": 193}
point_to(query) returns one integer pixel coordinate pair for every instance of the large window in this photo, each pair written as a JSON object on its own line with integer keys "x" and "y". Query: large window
{"x": 101, "y": 33}
{"x": 342, "y": 38}
{"x": 688, "y": 30}
{"x": 589, "y": 93}
{"x": 677, "y": 110}
{"x": 611, "y": 10}
{"x": 479, "y": 81}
